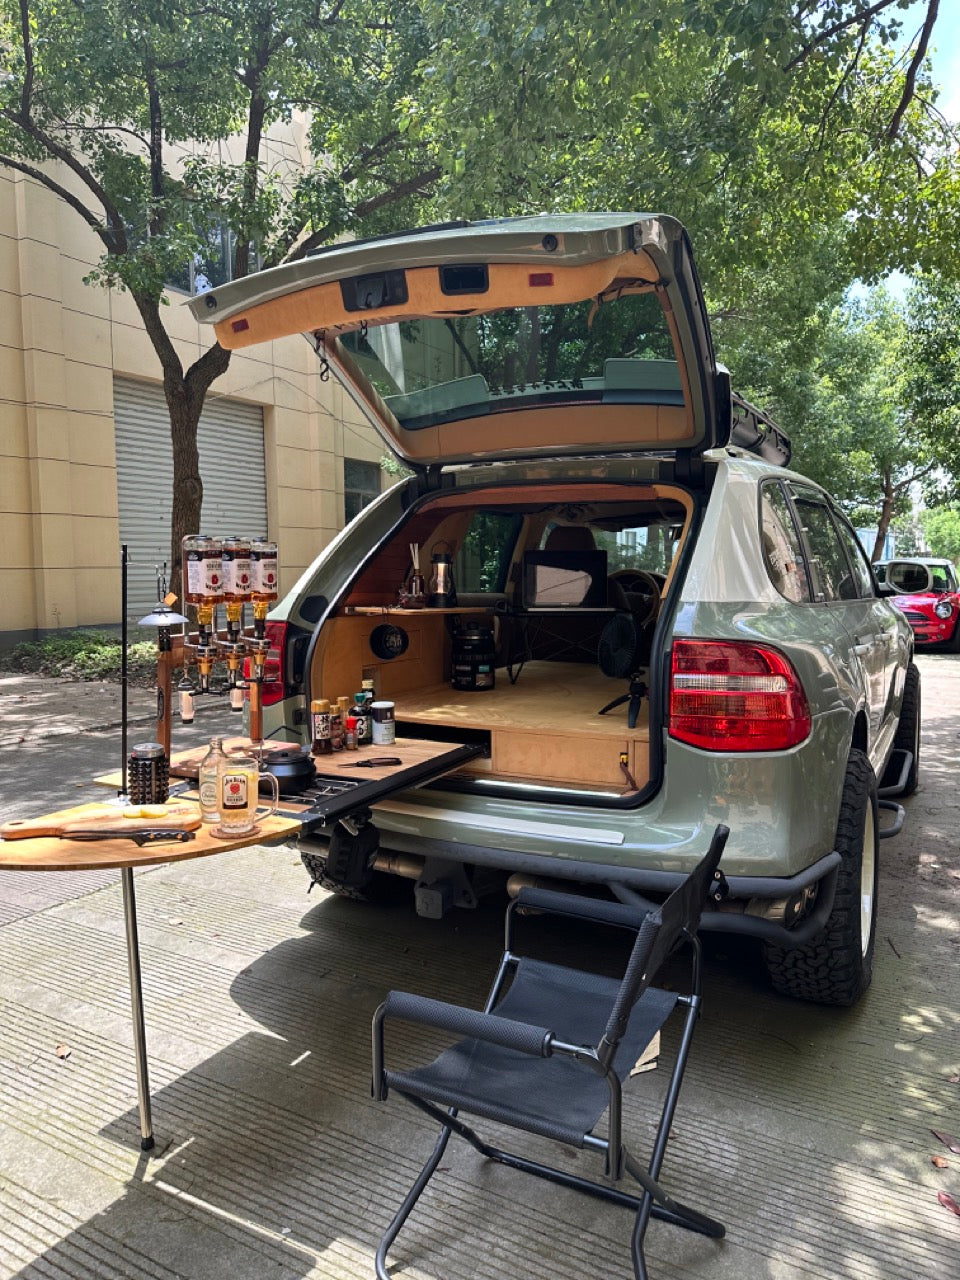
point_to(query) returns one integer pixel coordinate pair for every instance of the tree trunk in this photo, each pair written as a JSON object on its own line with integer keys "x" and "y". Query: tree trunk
{"x": 187, "y": 481}
{"x": 886, "y": 515}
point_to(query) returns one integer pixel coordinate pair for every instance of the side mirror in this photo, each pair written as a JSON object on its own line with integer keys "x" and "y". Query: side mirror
{"x": 885, "y": 589}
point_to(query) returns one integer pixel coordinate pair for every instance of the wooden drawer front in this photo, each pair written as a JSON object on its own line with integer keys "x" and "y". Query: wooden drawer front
{"x": 559, "y": 757}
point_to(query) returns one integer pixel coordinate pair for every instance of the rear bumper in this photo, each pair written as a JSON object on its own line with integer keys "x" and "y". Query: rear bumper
{"x": 729, "y": 917}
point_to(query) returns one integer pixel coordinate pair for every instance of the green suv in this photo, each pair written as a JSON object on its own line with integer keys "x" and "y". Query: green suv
{"x": 652, "y": 625}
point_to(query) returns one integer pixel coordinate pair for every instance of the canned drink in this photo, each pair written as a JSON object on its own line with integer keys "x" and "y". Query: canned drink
{"x": 383, "y": 715}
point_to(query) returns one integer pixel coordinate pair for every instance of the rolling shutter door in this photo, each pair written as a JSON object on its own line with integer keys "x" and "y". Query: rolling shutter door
{"x": 230, "y": 439}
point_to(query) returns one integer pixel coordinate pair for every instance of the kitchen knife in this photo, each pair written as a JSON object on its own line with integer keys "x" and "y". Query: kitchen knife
{"x": 156, "y": 835}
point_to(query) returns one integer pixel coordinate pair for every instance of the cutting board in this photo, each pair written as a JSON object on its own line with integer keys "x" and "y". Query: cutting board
{"x": 107, "y": 819}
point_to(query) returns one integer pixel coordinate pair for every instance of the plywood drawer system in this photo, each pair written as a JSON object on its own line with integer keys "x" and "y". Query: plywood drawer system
{"x": 545, "y": 728}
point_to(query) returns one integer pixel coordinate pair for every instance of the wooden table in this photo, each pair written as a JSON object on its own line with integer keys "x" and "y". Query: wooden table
{"x": 48, "y": 853}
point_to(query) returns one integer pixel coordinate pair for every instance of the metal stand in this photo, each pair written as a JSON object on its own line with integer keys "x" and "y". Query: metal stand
{"x": 136, "y": 1008}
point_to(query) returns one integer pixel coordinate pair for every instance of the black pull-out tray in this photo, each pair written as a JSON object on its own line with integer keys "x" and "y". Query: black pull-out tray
{"x": 341, "y": 789}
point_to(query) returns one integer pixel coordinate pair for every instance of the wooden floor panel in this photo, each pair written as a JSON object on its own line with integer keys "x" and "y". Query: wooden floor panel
{"x": 561, "y": 696}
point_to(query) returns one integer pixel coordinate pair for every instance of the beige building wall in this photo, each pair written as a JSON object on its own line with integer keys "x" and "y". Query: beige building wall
{"x": 62, "y": 342}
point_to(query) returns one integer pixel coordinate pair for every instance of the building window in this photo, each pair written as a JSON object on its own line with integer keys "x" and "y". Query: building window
{"x": 361, "y": 484}
{"x": 212, "y": 263}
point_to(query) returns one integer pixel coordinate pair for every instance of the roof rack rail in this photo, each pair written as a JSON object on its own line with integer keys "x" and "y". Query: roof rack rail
{"x": 756, "y": 431}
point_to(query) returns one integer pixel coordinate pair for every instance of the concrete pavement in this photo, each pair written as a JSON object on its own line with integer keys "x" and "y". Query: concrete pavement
{"x": 806, "y": 1130}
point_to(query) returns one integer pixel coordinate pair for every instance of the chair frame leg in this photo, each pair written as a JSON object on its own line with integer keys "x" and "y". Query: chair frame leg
{"x": 411, "y": 1198}
{"x": 654, "y": 1202}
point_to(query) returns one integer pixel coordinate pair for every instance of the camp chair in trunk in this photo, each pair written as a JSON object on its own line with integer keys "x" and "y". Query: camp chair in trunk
{"x": 550, "y": 1051}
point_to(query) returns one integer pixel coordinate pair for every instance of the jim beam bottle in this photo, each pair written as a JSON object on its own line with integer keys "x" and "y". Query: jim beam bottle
{"x": 202, "y": 570}
{"x": 264, "y": 576}
{"x": 237, "y": 584}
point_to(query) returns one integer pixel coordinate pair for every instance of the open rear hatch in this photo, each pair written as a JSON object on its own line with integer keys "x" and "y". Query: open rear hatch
{"x": 489, "y": 340}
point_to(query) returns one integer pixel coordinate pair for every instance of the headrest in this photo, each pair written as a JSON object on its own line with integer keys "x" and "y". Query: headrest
{"x": 570, "y": 537}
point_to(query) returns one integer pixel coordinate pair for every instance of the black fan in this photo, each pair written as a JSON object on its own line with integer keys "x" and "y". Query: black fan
{"x": 622, "y": 654}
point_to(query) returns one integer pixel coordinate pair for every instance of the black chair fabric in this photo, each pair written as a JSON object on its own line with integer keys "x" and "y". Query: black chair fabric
{"x": 556, "y": 1097}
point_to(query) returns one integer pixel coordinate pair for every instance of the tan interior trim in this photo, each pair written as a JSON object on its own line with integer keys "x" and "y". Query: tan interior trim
{"x": 321, "y": 306}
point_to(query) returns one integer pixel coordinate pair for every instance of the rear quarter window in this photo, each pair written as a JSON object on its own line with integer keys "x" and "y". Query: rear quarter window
{"x": 782, "y": 552}
{"x": 832, "y": 574}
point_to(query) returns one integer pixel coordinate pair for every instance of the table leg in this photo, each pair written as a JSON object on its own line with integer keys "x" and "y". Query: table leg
{"x": 136, "y": 1006}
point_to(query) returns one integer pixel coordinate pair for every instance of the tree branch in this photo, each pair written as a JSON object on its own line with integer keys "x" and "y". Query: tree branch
{"x": 910, "y": 83}
{"x": 62, "y": 193}
{"x": 149, "y": 307}
{"x": 116, "y": 239}
{"x": 204, "y": 372}
{"x": 398, "y": 192}
{"x": 864, "y": 17}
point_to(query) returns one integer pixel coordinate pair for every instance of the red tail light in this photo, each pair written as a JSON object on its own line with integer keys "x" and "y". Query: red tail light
{"x": 729, "y": 695}
{"x": 273, "y": 689}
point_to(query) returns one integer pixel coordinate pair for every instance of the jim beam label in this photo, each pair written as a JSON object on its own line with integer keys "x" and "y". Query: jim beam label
{"x": 236, "y": 573}
{"x": 234, "y": 791}
{"x": 263, "y": 573}
{"x": 204, "y": 574}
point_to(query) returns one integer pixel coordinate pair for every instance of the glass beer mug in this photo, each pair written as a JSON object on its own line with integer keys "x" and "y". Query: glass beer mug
{"x": 238, "y": 794}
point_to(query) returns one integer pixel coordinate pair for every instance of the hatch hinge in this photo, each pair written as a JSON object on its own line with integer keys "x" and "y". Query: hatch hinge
{"x": 426, "y": 480}
{"x": 688, "y": 468}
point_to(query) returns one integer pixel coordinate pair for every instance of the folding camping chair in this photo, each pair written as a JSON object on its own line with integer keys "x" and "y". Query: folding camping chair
{"x": 549, "y": 1056}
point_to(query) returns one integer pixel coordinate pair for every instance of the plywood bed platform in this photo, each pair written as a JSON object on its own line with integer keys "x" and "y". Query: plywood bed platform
{"x": 545, "y": 727}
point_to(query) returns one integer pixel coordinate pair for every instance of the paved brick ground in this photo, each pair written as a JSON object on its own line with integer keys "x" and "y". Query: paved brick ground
{"x": 807, "y": 1130}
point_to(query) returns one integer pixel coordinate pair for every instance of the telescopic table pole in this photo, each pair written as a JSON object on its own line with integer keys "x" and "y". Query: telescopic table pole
{"x": 136, "y": 1007}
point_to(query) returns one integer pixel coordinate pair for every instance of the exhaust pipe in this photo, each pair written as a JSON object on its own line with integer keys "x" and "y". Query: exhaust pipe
{"x": 407, "y": 865}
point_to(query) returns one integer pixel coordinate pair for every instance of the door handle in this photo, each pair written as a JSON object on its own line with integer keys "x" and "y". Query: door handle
{"x": 863, "y": 649}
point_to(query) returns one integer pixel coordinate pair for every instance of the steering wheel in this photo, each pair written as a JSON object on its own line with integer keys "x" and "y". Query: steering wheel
{"x": 638, "y": 582}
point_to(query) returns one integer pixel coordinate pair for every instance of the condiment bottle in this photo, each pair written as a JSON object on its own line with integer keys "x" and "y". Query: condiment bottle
{"x": 336, "y": 729}
{"x": 360, "y": 710}
{"x": 350, "y": 733}
{"x": 320, "y": 726}
{"x": 209, "y": 796}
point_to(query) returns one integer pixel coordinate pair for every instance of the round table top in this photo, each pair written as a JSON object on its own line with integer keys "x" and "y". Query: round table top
{"x": 50, "y": 853}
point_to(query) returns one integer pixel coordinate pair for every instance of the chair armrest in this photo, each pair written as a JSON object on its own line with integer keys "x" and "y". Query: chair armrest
{"x": 467, "y": 1022}
{"x": 569, "y": 904}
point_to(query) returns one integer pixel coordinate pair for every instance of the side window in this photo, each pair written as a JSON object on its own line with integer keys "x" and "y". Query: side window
{"x": 832, "y": 576}
{"x": 782, "y": 553}
{"x": 483, "y": 560}
{"x": 941, "y": 577}
{"x": 856, "y": 556}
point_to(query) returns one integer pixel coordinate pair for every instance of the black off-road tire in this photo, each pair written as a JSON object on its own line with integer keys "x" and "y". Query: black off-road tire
{"x": 908, "y": 730}
{"x": 836, "y": 968}
{"x": 316, "y": 865}
{"x": 378, "y": 886}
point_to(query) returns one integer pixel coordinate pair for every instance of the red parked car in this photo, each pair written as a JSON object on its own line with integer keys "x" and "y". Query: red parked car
{"x": 928, "y": 594}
